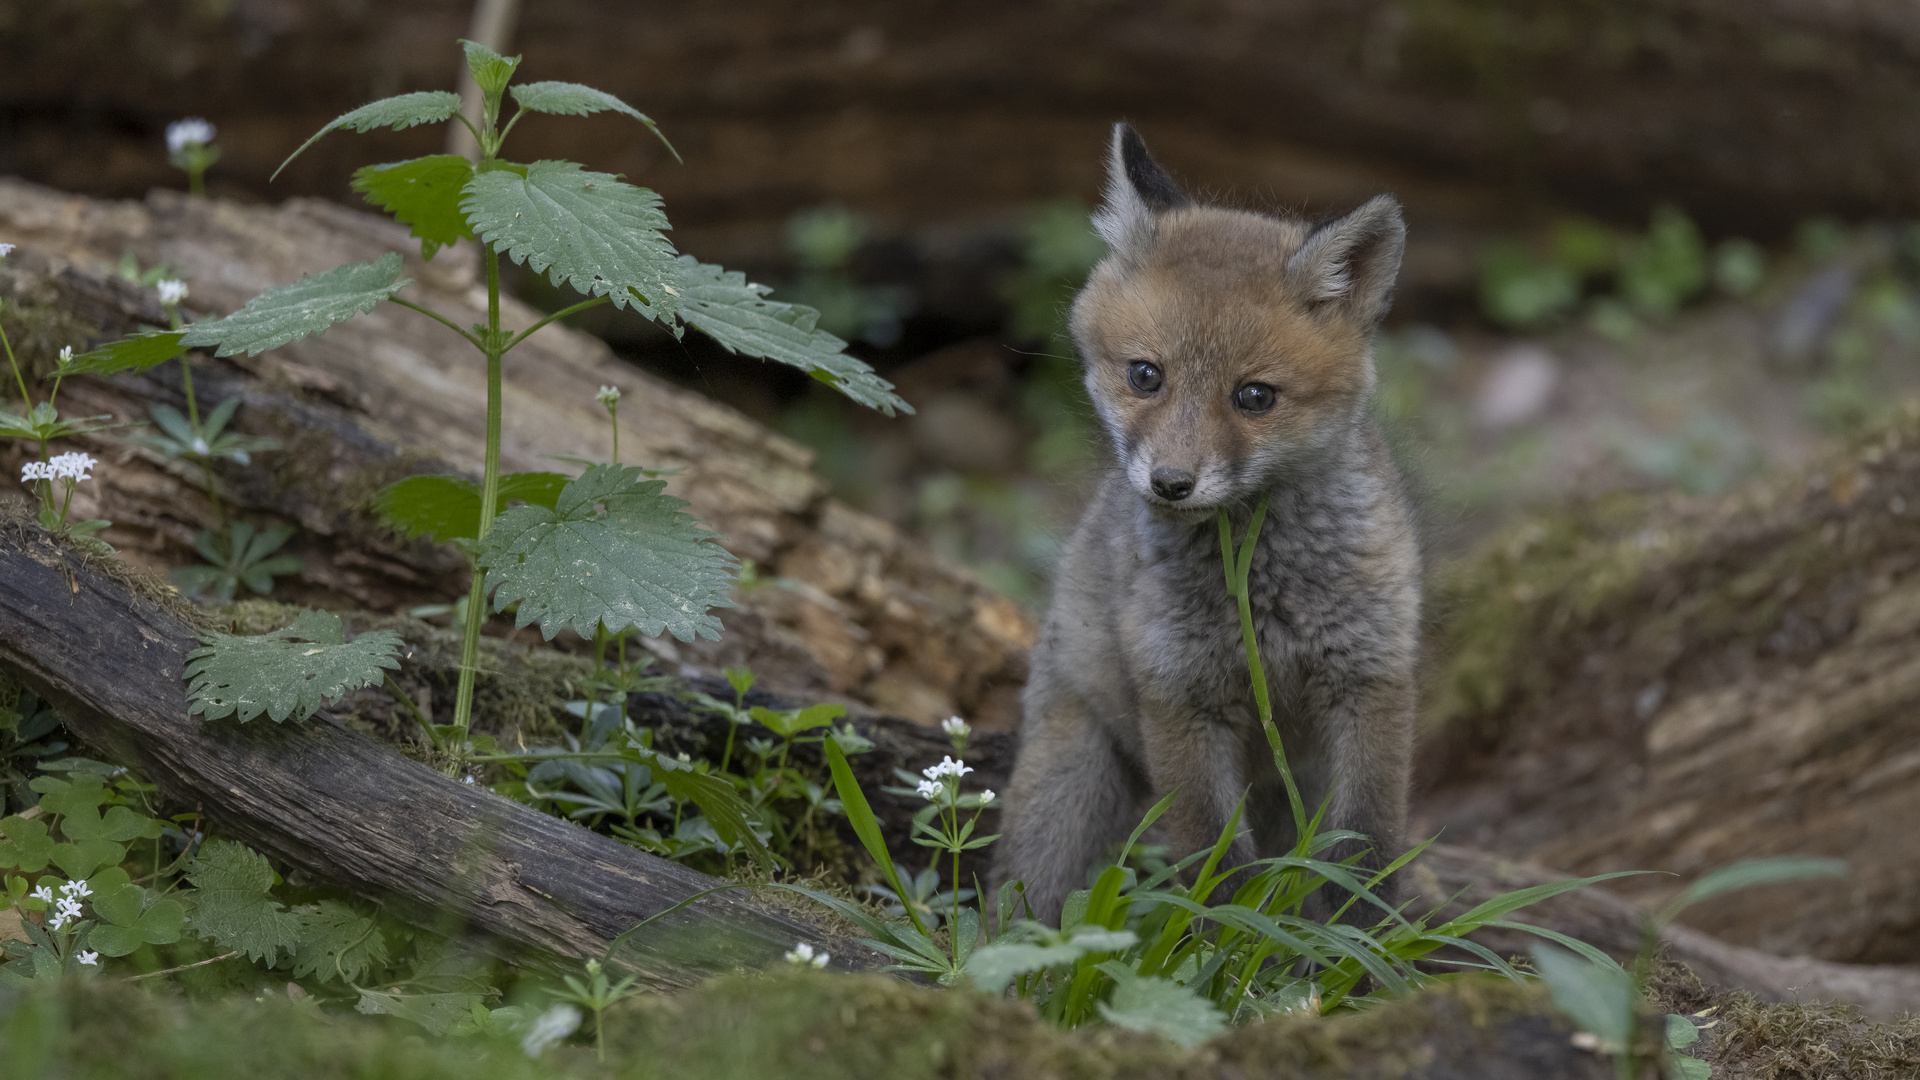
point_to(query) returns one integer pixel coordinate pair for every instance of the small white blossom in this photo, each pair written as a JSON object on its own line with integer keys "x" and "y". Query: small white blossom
{"x": 193, "y": 131}
{"x": 986, "y": 797}
{"x": 43, "y": 894}
{"x": 172, "y": 291}
{"x": 548, "y": 1028}
{"x": 955, "y": 727}
{"x": 35, "y": 470}
{"x": 88, "y": 957}
{"x": 932, "y": 790}
{"x": 64, "y": 912}
{"x": 73, "y": 465}
{"x": 5, "y": 250}
{"x": 947, "y": 767}
{"x": 76, "y": 889}
{"x": 804, "y": 955}
{"x": 608, "y": 396}
{"x": 66, "y": 355}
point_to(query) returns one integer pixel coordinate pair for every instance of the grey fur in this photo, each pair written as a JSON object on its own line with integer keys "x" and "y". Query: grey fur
{"x": 1139, "y": 683}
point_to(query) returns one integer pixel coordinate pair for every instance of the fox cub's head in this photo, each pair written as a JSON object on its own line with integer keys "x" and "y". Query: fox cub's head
{"x": 1226, "y": 350}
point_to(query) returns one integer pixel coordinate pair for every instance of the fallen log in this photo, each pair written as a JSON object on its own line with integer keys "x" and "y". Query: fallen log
{"x": 855, "y": 610}
{"x": 1628, "y": 683}
{"x": 106, "y": 647}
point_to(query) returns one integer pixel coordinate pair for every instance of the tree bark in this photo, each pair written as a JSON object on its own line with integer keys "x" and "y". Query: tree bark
{"x": 107, "y": 647}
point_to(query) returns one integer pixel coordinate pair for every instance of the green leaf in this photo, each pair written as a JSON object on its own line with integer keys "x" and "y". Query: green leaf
{"x": 1688, "y": 1068}
{"x": 287, "y": 313}
{"x": 1681, "y": 1032}
{"x": 1747, "y": 873}
{"x": 337, "y": 943}
{"x": 231, "y": 905}
{"x": 423, "y": 193}
{"x": 126, "y": 922}
{"x": 992, "y": 967}
{"x": 1599, "y": 1000}
{"x": 448, "y": 507}
{"x": 723, "y": 305}
{"x": 730, "y": 815}
{"x": 614, "y": 551}
{"x": 399, "y": 112}
{"x": 491, "y": 71}
{"x": 136, "y": 353}
{"x": 1165, "y": 1008}
{"x": 438, "y": 1013}
{"x": 573, "y": 99}
{"x": 289, "y": 672}
{"x": 588, "y": 229}
{"x": 26, "y": 846}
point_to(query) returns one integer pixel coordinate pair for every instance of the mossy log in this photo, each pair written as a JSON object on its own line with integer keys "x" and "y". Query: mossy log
{"x": 855, "y": 610}
{"x": 106, "y": 645}
{"x": 1677, "y": 684}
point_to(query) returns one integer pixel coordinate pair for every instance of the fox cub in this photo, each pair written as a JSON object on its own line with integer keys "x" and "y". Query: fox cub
{"x": 1228, "y": 355}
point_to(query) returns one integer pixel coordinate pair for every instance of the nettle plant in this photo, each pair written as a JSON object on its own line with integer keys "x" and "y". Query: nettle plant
{"x": 606, "y": 554}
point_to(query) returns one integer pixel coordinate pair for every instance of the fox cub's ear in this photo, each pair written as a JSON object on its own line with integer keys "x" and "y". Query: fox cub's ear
{"x": 1137, "y": 189}
{"x": 1352, "y": 261}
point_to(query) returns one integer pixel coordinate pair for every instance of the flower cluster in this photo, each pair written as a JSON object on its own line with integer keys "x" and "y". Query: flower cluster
{"x": 958, "y": 731}
{"x": 193, "y": 131}
{"x": 804, "y": 956}
{"x": 172, "y": 291}
{"x": 608, "y": 396}
{"x": 5, "y": 250}
{"x": 72, "y": 466}
{"x": 67, "y": 908}
{"x": 935, "y": 787}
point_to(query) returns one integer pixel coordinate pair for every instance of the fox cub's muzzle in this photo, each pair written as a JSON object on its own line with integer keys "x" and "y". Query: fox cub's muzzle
{"x": 1171, "y": 484}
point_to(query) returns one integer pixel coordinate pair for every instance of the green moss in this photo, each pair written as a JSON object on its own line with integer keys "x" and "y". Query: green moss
{"x": 38, "y": 326}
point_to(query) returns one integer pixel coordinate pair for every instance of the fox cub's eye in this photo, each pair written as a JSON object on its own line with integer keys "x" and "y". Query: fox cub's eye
{"x": 1255, "y": 397}
{"x": 1144, "y": 377}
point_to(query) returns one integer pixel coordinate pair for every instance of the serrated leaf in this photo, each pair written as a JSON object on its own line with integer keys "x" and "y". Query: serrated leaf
{"x": 591, "y": 230}
{"x": 1165, "y": 1008}
{"x": 287, "y": 313}
{"x": 126, "y": 922}
{"x": 423, "y": 193}
{"x": 573, "y": 99}
{"x": 438, "y": 1013}
{"x": 448, "y": 507}
{"x": 490, "y": 69}
{"x": 231, "y": 905}
{"x": 136, "y": 353}
{"x": 290, "y": 672}
{"x": 398, "y": 112}
{"x": 613, "y": 550}
{"x": 337, "y": 943}
{"x": 723, "y": 305}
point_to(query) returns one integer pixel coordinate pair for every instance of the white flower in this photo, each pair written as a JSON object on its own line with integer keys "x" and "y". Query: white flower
{"x": 986, "y": 797}
{"x": 192, "y": 131}
{"x": 932, "y": 790}
{"x": 66, "y": 355}
{"x": 72, "y": 466}
{"x": 76, "y": 889}
{"x": 548, "y": 1028}
{"x": 91, "y": 959}
{"x": 947, "y": 767}
{"x": 5, "y": 250}
{"x": 44, "y": 894}
{"x": 608, "y": 396}
{"x": 64, "y": 912}
{"x": 804, "y": 955}
{"x": 955, "y": 727}
{"x": 172, "y": 291}
{"x": 35, "y": 470}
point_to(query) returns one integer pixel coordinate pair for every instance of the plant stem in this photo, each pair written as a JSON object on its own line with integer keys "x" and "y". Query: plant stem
{"x": 489, "y": 501}
{"x": 184, "y": 967}
{"x": 561, "y": 314}
{"x": 1237, "y": 570}
{"x": 45, "y": 487}
{"x": 441, "y": 319}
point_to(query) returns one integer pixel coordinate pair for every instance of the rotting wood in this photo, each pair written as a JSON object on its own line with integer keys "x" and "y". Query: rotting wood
{"x": 345, "y": 809}
{"x": 858, "y": 612}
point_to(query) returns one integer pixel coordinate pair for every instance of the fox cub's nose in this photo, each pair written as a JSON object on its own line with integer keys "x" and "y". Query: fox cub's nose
{"x": 1172, "y": 484}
